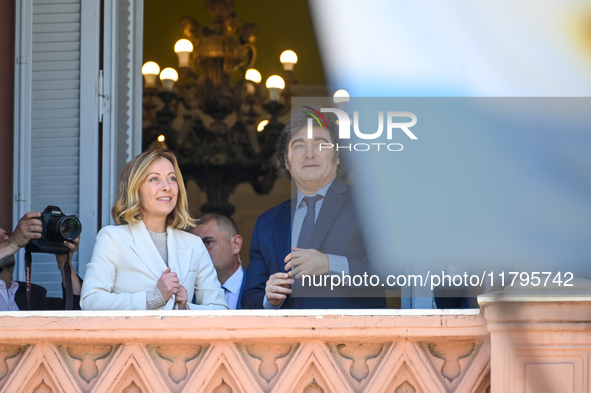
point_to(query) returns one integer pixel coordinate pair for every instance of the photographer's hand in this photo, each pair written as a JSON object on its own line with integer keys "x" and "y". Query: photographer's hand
{"x": 61, "y": 262}
{"x": 28, "y": 228}
{"x": 62, "y": 258}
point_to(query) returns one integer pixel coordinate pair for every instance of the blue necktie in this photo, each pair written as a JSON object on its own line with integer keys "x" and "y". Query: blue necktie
{"x": 304, "y": 241}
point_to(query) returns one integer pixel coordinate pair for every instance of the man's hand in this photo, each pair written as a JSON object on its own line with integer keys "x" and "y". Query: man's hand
{"x": 28, "y": 228}
{"x": 306, "y": 262}
{"x": 277, "y": 288}
{"x": 182, "y": 297}
{"x": 168, "y": 284}
{"x": 62, "y": 258}
{"x": 61, "y": 263}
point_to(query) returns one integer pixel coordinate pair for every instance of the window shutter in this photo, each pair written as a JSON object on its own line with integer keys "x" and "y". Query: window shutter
{"x": 77, "y": 121}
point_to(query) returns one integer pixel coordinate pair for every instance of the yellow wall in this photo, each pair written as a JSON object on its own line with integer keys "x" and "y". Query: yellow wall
{"x": 281, "y": 25}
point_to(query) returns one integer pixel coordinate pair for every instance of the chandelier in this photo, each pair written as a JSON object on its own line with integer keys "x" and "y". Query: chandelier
{"x": 209, "y": 112}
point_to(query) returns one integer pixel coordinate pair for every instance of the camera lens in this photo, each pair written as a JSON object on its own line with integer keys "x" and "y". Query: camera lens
{"x": 69, "y": 227}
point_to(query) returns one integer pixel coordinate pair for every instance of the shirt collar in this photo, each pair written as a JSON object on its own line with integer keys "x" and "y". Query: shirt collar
{"x": 322, "y": 192}
{"x": 13, "y": 286}
{"x": 234, "y": 283}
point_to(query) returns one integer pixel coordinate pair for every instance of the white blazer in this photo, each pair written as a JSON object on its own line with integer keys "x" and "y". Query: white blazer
{"x": 126, "y": 264}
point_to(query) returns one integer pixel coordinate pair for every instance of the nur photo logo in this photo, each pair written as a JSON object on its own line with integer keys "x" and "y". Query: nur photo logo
{"x": 392, "y": 119}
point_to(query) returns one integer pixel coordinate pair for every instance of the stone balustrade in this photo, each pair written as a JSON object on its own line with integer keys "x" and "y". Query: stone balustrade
{"x": 519, "y": 342}
{"x": 394, "y": 351}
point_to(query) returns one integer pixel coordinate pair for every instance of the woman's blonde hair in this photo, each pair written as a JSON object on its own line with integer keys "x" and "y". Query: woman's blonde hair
{"x": 127, "y": 209}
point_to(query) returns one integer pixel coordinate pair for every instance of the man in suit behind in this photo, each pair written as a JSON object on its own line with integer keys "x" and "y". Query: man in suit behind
{"x": 223, "y": 242}
{"x": 283, "y": 249}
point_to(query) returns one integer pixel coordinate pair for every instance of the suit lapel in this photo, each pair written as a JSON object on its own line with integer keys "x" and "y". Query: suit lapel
{"x": 179, "y": 256}
{"x": 146, "y": 250}
{"x": 282, "y": 234}
{"x": 336, "y": 196}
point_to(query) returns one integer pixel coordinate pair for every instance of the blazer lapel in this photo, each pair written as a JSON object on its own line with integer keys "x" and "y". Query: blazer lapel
{"x": 146, "y": 250}
{"x": 336, "y": 196}
{"x": 282, "y": 234}
{"x": 179, "y": 256}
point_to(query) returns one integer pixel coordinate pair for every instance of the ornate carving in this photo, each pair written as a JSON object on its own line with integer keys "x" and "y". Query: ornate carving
{"x": 132, "y": 388}
{"x": 405, "y": 387}
{"x": 313, "y": 387}
{"x": 223, "y": 388}
{"x": 178, "y": 356}
{"x": 42, "y": 388}
{"x": 359, "y": 353}
{"x": 89, "y": 355}
{"x": 7, "y": 353}
{"x": 268, "y": 355}
{"x": 451, "y": 352}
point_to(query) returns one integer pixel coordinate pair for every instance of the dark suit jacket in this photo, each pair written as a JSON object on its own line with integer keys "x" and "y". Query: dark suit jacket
{"x": 335, "y": 232}
{"x": 39, "y": 299}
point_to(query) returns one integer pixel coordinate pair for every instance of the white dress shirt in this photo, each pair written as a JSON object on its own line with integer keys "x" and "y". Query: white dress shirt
{"x": 232, "y": 287}
{"x": 7, "y": 302}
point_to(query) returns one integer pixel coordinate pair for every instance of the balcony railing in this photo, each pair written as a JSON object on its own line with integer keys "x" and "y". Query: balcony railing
{"x": 515, "y": 343}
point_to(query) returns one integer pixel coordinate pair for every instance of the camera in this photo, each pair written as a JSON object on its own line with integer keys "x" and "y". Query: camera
{"x": 57, "y": 227}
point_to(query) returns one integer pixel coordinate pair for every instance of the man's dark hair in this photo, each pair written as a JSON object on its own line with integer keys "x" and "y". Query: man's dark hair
{"x": 225, "y": 224}
{"x": 299, "y": 119}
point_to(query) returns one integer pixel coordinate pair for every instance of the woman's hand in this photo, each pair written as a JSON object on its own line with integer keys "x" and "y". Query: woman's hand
{"x": 182, "y": 297}
{"x": 168, "y": 284}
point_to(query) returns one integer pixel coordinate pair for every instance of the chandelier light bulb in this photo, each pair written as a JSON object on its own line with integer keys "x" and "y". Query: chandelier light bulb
{"x": 262, "y": 125}
{"x": 253, "y": 75}
{"x": 183, "y": 45}
{"x": 275, "y": 84}
{"x": 161, "y": 138}
{"x": 288, "y": 58}
{"x": 341, "y": 95}
{"x": 168, "y": 76}
{"x": 183, "y": 49}
{"x": 150, "y": 70}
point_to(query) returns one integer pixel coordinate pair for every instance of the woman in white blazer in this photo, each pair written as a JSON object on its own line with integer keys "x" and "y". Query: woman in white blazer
{"x": 148, "y": 261}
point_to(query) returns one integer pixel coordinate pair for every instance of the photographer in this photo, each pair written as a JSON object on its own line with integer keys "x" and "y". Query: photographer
{"x": 13, "y": 294}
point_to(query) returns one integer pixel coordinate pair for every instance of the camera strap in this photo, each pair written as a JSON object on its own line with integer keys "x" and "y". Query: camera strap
{"x": 28, "y": 273}
{"x": 69, "y": 290}
{"x": 67, "y": 270}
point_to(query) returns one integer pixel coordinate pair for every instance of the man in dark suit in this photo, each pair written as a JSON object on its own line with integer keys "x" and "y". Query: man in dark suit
{"x": 223, "y": 242}
{"x": 312, "y": 235}
{"x": 13, "y": 294}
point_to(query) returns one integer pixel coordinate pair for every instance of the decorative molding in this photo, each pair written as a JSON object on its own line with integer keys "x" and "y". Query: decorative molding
{"x": 131, "y": 364}
{"x": 40, "y": 366}
{"x": 176, "y": 362}
{"x": 269, "y": 357}
{"x": 313, "y": 362}
{"x": 405, "y": 387}
{"x": 271, "y": 353}
{"x": 8, "y": 356}
{"x": 358, "y": 360}
{"x": 85, "y": 361}
{"x": 223, "y": 362}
